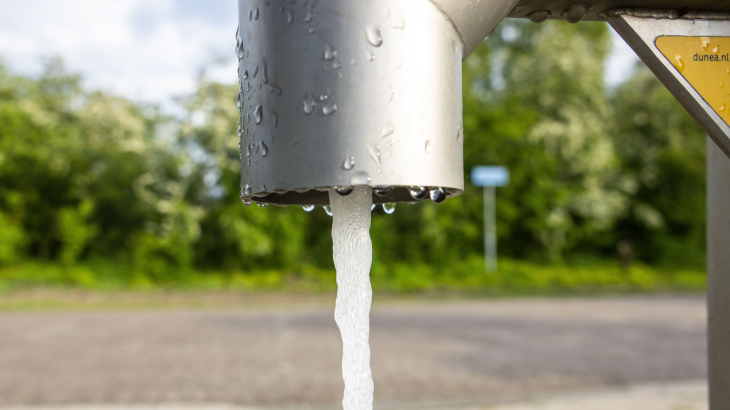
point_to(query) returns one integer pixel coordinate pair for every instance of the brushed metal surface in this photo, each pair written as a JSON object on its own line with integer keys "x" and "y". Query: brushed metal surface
{"x": 322, "y": 82}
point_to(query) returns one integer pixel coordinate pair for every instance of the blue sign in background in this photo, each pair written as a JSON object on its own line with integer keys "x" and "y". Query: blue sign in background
{"x": 489, "y": 176}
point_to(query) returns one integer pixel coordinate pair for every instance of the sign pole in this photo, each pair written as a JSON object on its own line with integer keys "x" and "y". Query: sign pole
{"x": 490, "y": 230}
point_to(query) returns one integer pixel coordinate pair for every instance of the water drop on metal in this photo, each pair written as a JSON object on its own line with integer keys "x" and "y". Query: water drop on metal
{"x": 290, "y": 17}
{"x": 418, "y": 192}
{"x": 309, "y": 103}
{"x": 256, "y": 14}
{"x": 329, "y": 53}
{"x": 372, "y": 208}
{"x": 383, "y": 190}
{"x": 257, "y": 114}
{"x": 386, "y": 130}
{"x": 344, "y": 190}
{"x": 308, "y": 208}
{"x": 329, "y": 109}
{"x": 539, "y": 16}
{"x": 245, "y": 74}
{"x": 460, "y": 134}
{"x": 373, "y": 35}
{"x": 427, "y": 146}
{"x": 438, "y": 195}
{"x": 266, "y": 72}
{"x": 388, "y": 208}
{"x": 360, "y": 178}
{"x": 262, "y": 205}
{"x": 575, "y": 12}
{"x": 275, "y": 118}
{"x": 349, "y": 163}
{"x": 247, "y": 189}
{"x": 264, "y": 149}
{"x": 327, "y": 210}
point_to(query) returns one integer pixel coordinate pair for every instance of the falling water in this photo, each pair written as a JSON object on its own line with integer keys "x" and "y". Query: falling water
{"x": 353, "y": 254}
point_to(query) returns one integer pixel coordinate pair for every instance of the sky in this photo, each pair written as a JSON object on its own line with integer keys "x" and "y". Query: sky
{"x": 147, "y": 50}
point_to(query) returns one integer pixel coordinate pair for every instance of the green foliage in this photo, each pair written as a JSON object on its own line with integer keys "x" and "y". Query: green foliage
{"x": 97, "y": 191}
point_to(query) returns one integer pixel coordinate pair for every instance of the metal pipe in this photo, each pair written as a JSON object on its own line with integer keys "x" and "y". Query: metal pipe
{"x": 345, "y": 93}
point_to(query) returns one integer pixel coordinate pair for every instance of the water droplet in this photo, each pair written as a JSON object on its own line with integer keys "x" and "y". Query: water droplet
{"x": 246, "y": 202}
{"x": 250, "y": 15}
{"x": 290, "y": 17}
{"x": 256, "y": 14}
{"x": 239, "y": 96}
{"x": 383, "y": 190}
{"x": 438, "y": 195}
{"x": 312, "y": 30}
{"x": 327, "y": 210}
{"x": 257, "y": 114}
{"x": 266, "y": 72}
{"x": 248, "y": 150}
{"x": 309, "y": 103}
{"x": 238, "y": 31}
{"x": 354, "y": 61}
{"x": 281, "y": 8}
{"x": 678, "y": 63}
{"x": 329, "y": 53}
{"x": 255, "y": 71}
{"x": 427, "y": 146}
{"x": 274, "y": 88}
{"x": 418, "y": 192}
{"x": 386, "y": 130}
{"x": 360, "y": 178}
{"x": 460, "y": 134}
{"x": 264, "y": 149}
{"x": 329, "y": 109}
{"x": 372, "y": 208}
{"x": 539, "y": 16}
{"x": 716, "y": 49}
{"x": 375, "y": 153}
{"x": 310, "y": 14}
{"x": 247, "y": 190}
{"x": 239, "y": 51}
{"x": 575, "y": 12}
{"x": 275, "y": 118}
{"x": 344, "y": 190}
{"x": 308, "y": 208}
{"x": 370, "y": 56}
{"x": 388, "y": 208}
{"x": 245, "y": 74}
{"x": 349, "y": 163}
{"x": 336, "y": 65}
{"x": 705, "y": 43}
{"x": 262, "y": 205}
{"x": 373, "y": 35}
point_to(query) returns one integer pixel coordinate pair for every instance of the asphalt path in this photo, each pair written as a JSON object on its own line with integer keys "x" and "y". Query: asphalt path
{"x": 427, "y": 354}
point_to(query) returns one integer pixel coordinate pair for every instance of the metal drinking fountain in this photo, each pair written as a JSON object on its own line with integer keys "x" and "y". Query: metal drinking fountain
{"x": 341, "y": 93}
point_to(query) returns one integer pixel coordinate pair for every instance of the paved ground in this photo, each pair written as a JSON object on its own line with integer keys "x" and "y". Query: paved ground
{"x": 436, "y": 355}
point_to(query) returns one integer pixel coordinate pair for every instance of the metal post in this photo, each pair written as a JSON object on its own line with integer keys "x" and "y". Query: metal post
{"x": 490, "y": 230}
{"x": 718, "y": 275}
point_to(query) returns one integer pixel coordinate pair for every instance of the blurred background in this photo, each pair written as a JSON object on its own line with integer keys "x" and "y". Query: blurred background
{"x": 119, "y": 181}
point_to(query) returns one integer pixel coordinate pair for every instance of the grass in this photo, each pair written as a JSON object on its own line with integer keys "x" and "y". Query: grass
{"x": 36, "y": 285}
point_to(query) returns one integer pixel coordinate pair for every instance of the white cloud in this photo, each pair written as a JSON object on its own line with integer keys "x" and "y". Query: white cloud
{"x": 146, "y": 50}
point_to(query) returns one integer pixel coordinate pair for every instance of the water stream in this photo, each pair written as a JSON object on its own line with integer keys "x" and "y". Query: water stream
{"x": 353, "y": 254}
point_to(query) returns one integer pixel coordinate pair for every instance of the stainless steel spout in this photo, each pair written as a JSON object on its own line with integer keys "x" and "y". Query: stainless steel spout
{"x": 345, "y": 93}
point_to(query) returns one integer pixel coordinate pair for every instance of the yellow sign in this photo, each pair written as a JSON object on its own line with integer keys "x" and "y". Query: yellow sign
{"x": 705, "y": 63}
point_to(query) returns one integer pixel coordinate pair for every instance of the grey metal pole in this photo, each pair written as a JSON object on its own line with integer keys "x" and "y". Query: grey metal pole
{"x": 718, "y": 275}
{"x": 490, "y": 230}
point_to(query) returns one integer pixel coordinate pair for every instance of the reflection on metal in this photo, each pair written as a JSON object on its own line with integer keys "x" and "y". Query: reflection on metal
{"x": 643, "y": 34}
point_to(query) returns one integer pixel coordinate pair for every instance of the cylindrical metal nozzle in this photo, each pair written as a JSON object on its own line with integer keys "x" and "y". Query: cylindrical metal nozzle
{"x": 343, "y": 93}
